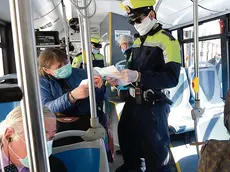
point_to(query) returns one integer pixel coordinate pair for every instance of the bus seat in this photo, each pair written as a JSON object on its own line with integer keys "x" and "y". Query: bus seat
{"x": 219, "y": 74}
{"x": 180, "y": 119}
{"x": 6, "y": 108}
{"x": 84, "y": 156}
{"x": 210, "y": 89}
{"x": 211, "y": 125}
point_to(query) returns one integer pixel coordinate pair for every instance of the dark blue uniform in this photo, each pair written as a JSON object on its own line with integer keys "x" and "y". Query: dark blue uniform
{"x": 143, "y": 128}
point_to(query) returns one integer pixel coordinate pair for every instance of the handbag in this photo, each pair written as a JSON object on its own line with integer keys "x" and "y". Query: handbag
{"x": 215, "y": 156}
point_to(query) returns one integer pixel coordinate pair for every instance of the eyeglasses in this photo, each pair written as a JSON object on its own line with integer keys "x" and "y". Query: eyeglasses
{"x": 136, "y": 20}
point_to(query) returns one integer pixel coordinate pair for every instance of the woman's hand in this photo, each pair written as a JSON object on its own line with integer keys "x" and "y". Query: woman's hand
{"x": 98, "y": 81}
{"x": 79, "y": 93}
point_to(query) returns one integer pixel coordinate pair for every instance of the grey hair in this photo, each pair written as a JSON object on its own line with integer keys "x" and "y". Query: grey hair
{"x": 14, "y": 120}
{"x": 126, "y": 38}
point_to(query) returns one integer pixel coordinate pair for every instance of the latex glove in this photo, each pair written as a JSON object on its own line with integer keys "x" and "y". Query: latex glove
{"x": 129, "y": 75}
{"x": 112, "y": 81}
{"x": 98, "y": 81}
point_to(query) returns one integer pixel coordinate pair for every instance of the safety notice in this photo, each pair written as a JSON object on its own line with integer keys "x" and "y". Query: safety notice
{"x": 121, "y": 32}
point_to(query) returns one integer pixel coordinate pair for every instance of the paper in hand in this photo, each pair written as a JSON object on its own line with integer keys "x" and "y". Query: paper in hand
{"x": 84, "y": 82}
{"x": 112, "y": 72}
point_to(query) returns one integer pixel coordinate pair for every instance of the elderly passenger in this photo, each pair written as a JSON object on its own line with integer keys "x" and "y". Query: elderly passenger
{"x": 126, "y": 42}
{"x": 13, "y": 144}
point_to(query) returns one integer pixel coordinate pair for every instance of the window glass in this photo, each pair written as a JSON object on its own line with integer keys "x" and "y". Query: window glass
{"x": 209, "y": 54}
{"x": 205, "y": 29}
{"x": 209, "y": 51}
{"x": 174, "y": 34}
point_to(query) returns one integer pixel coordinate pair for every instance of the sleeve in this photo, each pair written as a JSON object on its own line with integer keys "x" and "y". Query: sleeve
{"x": 77, "y": 61}
{"x": 60, "y": 104}
{"x": 100, "y": 94}
{"x": 168, "y": 75}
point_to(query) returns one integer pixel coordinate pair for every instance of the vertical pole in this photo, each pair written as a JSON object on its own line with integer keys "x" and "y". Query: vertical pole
{"x": 82, "y": 40}
{"x": 196, "y": 48}
{"x": 27, "y": 73}
{"x": 196, "y": 68}
{"x": 88, "y": 48}
{"x": 66, "y": 29}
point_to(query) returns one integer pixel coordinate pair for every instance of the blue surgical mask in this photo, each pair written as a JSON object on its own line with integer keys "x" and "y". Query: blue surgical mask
{"x": 94, "y": 51}
{"x": 25, "y": 161}
{"x": 63, "y": 72}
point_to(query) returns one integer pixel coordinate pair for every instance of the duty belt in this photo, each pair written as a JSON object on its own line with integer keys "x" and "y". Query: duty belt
{"x": 152, "y": 96}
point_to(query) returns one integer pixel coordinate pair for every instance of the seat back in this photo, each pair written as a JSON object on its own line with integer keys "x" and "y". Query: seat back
{"x": 6, "y": 108}
{"x": 181, "y": 93}
{"x": 211, "y": 125}
{"x": 210, "y": 89}
{"x": 84, "y": 156}
{"x": 179, "y": 119}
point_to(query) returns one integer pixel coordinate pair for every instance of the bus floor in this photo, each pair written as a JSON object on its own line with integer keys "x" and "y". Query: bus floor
{"x": 184, "y": 157}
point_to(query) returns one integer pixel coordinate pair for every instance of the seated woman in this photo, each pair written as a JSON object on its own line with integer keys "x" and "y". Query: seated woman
{"x": 62, "y": 93}
{"x": 13, "y": 144}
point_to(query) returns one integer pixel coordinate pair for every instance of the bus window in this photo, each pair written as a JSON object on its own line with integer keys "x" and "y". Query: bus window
{"x": 205, "y": 29}
{"x": 209, "y": 28}
{"x": 174, "y": 34}
{"x": 210, "y": 51}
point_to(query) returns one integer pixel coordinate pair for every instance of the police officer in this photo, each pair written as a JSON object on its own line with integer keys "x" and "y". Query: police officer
{"x": 154, "y": 66}
{"x": 98, "y": 59}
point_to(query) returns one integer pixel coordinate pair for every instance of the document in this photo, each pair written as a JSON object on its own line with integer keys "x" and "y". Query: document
{"x": 84, "y": 82}
{"x": 112, "y": 72}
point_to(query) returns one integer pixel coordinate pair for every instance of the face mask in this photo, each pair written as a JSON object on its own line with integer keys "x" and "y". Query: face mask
{"x": 145, "y": 26}
{"x": 63, "y": 72}
{"x": 94, "y": 51}
{"x": 25, "y": 161}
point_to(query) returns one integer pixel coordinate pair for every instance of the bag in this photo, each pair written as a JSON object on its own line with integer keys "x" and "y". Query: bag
{"x": 215, "y": 156}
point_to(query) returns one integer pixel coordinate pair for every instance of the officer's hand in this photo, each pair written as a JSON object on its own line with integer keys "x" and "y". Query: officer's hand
{"x": 79, "y": 93}
{"x": 98, "y": 81}
{"x": 112, "y": 81}
{"x": 129, "y": 75}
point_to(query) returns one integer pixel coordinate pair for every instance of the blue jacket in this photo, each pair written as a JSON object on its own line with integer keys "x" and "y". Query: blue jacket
{"x": 57, "y": 100}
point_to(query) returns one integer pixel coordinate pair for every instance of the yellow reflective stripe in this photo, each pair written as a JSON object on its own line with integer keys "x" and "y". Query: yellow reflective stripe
{"x": 161, "y": 46}
{"x": 98, "y": 57}
{"x": 137, "y": 43}
{"x": 171, "y": 48}
{"x": 77, "y": 61}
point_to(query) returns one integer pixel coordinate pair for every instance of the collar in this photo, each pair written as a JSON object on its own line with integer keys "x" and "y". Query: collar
{"x": 5, "y": 161}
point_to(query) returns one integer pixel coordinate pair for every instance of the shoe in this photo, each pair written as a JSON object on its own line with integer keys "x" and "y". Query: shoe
{"x": 110, "y": 157}
{"x": 119, "y": 152}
